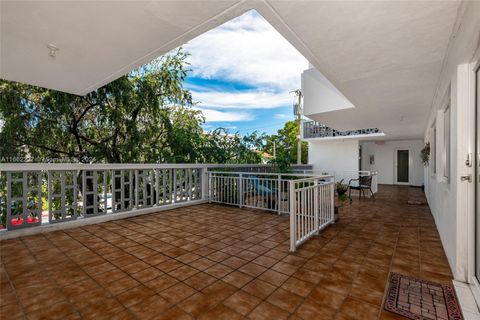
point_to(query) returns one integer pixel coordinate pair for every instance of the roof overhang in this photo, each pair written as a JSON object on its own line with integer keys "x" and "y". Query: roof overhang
{"x": 384, "y": 56}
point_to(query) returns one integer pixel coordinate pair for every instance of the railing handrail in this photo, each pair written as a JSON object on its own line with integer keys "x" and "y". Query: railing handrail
{"x": 306, "y": 175}
{"x": 368, "y": 172}
{"x": 313, "y": 186}
{"x": 37, "y": 166}
{"x": 313, "y": 178}
{"x": 95, "y": 166}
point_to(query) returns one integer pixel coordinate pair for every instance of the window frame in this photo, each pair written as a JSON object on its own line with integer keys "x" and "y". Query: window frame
{"x": 446, "y": 152}
{"x": 433, "y": 148}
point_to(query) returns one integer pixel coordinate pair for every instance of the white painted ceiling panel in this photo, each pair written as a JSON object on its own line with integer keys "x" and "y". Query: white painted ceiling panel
{"x": 98, "y": 41}
{"x": 383, "y": 56}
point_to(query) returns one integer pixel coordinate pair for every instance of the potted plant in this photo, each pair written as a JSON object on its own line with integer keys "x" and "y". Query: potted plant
{"x": 342, "y": 197}
{"x": 32, "y": 206}
{"x": 425, "y": 154}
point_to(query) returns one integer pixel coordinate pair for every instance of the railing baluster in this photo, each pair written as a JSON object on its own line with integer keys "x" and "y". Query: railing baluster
{"x": 84, "y": 191}
{"x": 279, "y": 195}
{"x": 293, "y": 217}
{"x": 174, "y": 191}
{"x": 240, "y": 190}
{"x": 137, "y": 193}
{"x": 144, "y": 182}
{"x": 105, "y": 190}
{"x": 314, "y": 205}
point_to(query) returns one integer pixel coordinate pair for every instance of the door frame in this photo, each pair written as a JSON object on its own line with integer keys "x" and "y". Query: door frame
{"x": 395, "y": 165}
{"x": 472, "y": 205}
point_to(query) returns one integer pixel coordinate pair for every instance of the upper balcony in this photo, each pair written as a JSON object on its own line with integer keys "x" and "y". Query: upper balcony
{"x": 317, "y": 130}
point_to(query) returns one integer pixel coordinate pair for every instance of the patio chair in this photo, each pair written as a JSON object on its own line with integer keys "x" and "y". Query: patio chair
{"x": 361, "y": 184}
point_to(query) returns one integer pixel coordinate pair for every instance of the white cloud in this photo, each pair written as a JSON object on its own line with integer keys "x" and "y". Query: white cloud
{"x": 225, "y": 116}
{"x": 248, "y": 50}
{"x": 282, "y": 116}
{"x": 242, "y": 99}
{"x": 245, "y": 51}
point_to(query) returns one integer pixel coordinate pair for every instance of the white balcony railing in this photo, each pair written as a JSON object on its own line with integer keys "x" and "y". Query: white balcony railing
{"x": 314, "y": 129}
{"x": 79, "y": 191}
{"x": 307, "y": 199}
{"x": 312, "y": 208}
{"x": 266, "y": 191}
{"x": 33, "y": 195}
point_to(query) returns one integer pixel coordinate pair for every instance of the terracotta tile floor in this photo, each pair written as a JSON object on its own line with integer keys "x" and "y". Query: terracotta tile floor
{"x": 217, "y": 262}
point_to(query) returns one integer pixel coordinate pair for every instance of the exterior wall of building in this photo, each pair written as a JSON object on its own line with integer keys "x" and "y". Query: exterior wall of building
{"x": 320, "y": 95}
{"x": 452, "y": 200}
{"x": 333, "y": 155}
{"x": 383, "y": 153}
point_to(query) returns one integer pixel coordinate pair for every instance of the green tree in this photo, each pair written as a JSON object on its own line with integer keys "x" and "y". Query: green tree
{"x": 143, "y": 116}
{"x": 221, "y": 146}
{"x": 285, "y": 142}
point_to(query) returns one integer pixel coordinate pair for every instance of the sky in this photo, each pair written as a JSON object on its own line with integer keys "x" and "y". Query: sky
{"x": 242, "y": 73}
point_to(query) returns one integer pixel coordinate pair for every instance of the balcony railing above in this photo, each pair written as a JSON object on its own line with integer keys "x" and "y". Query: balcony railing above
{"x": 314, "y": 129}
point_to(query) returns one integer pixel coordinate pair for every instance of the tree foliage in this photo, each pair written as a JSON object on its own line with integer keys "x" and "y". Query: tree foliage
{"x": 145, "y": 116}
{"x": 223, "y": 147}
{"x": 285, "y": 142}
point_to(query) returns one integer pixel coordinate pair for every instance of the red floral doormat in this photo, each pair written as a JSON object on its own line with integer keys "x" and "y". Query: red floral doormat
{"x": 421, "y": 299}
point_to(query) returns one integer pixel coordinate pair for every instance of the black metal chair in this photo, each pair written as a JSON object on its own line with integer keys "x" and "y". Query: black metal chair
{"x": 364, "y": 183}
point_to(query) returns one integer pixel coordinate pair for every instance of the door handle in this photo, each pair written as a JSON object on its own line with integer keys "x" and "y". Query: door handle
{"x": 467, "y": 177}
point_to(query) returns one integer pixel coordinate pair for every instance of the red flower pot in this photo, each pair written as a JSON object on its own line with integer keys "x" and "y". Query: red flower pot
{"x": 19, "y": 221}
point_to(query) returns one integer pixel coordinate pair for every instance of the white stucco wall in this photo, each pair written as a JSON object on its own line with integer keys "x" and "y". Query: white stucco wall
{"x": 384, "y": 154}
{"x": 320, "y": 95}
{"x": 334, "y": 155}
{"x": 452, "y": 201}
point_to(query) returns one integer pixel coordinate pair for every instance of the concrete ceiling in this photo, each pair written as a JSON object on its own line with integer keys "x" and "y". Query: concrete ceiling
{"x": 384, "y": 56}
{"x": 99, "y": 41}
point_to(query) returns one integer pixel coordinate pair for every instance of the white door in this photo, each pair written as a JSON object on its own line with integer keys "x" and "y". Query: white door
{"x": 402, "y": 166}
{"x": 477, "y": 181}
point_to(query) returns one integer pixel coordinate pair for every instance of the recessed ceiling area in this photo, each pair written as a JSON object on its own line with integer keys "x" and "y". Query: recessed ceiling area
{"x": 383, "y": 56}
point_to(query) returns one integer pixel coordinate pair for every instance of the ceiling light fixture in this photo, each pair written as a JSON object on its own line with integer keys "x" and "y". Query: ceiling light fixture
{"x": 53, "y": 50}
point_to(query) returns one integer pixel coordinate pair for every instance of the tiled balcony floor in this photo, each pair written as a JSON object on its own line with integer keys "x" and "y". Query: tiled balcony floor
{"x": 216, "y": 262}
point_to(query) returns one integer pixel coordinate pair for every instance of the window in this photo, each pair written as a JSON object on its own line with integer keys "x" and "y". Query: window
{"x": 446, "y": 143}
{"x": 433, "y": 147}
